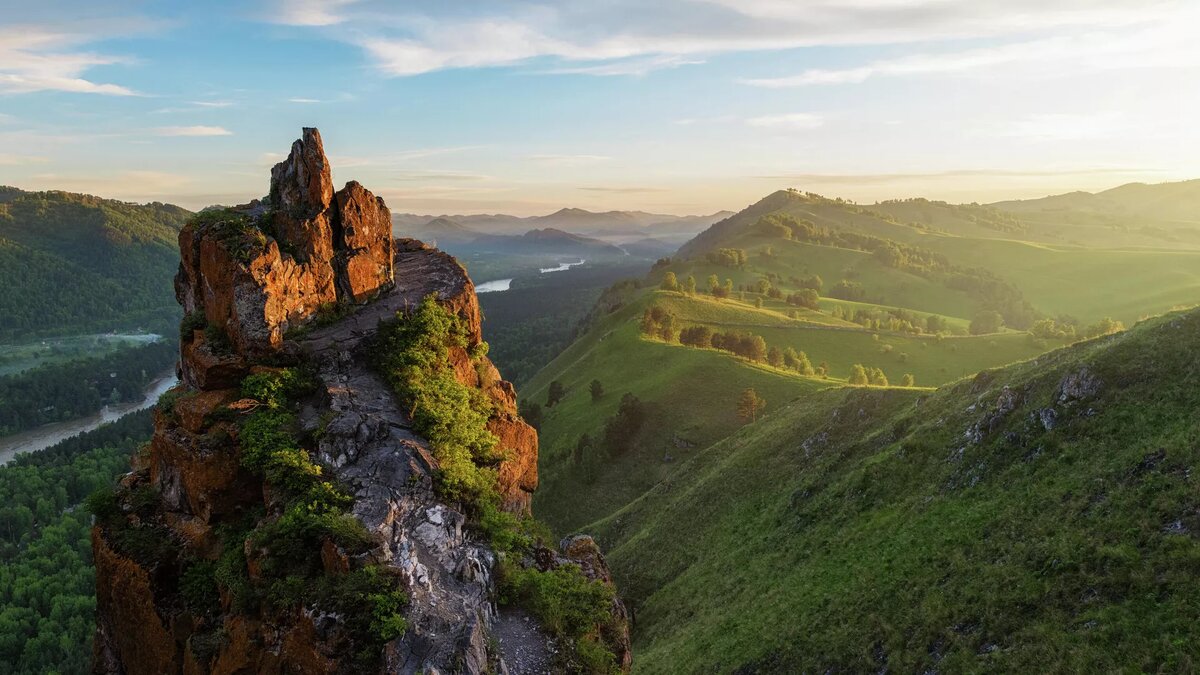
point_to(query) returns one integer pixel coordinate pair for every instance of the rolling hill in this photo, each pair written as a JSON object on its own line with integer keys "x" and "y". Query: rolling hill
{"x": 72, "y": 263}
{"x": 868, "y": 528}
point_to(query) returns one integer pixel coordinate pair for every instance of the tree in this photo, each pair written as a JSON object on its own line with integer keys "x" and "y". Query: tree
{"x": 669, "y": 282}
{"x": 696, "y": 336}
{"x": 986, "y": 321}
{"x": 750, "y": 406}
{"x": 758, "y": 303}
{"x": 689, "y": 286}
{"x": 532, "y": 413}
{"x": 775, "y": 357}
{"x": 878, "y": 379}
{"x": 596, "y": 389}
{"x": 714, "y": 284}
{"x": 555, "y": 393}
{"x": 858, "y": 375}
{"x": 908, "y": 380}
{"x": 755, "y": 348}
{"x": 620, "y": 431}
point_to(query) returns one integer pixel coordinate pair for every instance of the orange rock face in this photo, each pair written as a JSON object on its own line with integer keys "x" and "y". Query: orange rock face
{"x": 268, "y": 268}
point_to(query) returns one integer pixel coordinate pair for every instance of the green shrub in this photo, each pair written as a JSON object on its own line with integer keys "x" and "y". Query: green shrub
{"x": 190, "y": 323}
{"x": 198, "y": 587}
{"x": 413, "y": 354}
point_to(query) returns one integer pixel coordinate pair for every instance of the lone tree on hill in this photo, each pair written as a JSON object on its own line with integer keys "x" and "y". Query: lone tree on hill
{"x": 689, "y": 286}
{"x": 596, "y": 389}
{"x": 669, "y": 282}
{"x": 986, "y": 322}
{"x": 555, "y": 393}
{"x": 858, "y": 375}
{"x": 750, "y": 406}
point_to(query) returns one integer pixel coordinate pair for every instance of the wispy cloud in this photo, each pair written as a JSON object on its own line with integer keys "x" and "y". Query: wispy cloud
{"x": 1167, "y": 43}
{"x": 635, "y": 66}
{"x": 7, "y": 159}
{"x": 620, "y": 37}
{"x": 198, "y": 130}
{"x": 309, "y": 12}
{"x": 569, "y": 160}
{"x": 787, "y": 122}
{"x": 35, "y": 59}
{"x": 305, "y": 100}
{"x": 623, "y": 190}
{"x": 433, "y": 176}
{"x": 881, "y": 178}
{"x": 212, "y": 104}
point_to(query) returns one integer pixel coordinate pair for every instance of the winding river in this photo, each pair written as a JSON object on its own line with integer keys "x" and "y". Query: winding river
{"x": 49, "y": 434}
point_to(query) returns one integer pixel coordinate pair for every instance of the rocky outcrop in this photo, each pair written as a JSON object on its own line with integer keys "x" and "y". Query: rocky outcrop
{"x": 258, "y": 270}
{"x": 307, "y": 277}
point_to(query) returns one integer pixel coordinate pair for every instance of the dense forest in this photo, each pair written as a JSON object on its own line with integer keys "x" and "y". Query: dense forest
{"x": 531, "y": 323}
{"x": 74, "y": 263}
{"x": 47, "y": 585}
{"x": 63, "y": 391}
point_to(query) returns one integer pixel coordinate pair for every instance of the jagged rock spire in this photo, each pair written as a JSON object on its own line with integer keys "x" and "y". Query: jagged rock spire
{"x": 306, "y": 248}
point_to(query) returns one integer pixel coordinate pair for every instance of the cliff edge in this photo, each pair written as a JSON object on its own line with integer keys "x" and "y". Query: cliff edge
{"x": 292, "y": 512}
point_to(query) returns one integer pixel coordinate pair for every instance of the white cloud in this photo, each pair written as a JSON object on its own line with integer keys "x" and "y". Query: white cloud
{"x": 198, "y": 130}
{"x": 788, "y": 122}
{"x": 635, "y": 66}
{"x": 413, "y": 38}
{"x": 309, "y": 12}
{"x": 305, "y": 100}
{"x": 212, "y": 104}
{"x": 36, "y": 59}
{"x": 1167, "y": 42}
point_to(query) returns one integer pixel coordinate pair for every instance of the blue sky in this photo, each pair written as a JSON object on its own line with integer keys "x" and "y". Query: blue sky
{"x": 680, "y": 106}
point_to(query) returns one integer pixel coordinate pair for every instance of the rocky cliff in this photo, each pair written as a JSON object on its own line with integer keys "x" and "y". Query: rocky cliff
{"x": 287, "y": 515}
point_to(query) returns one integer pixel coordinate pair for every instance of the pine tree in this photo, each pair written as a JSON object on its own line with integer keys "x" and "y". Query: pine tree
{"x": 596, "y": 389}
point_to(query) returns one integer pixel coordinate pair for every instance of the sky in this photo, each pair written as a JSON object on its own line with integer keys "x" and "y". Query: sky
{"x": 670, "y": 106}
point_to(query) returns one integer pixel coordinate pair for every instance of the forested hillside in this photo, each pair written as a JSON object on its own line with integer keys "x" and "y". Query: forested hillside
{"x": 73, "y": 263}
{"x": 47, "y": 583}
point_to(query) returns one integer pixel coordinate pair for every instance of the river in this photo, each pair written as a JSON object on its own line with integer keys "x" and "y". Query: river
{"x": 493, "y": 286}
{"x": 49, "y": 434}
{"x": 561, "y": 267}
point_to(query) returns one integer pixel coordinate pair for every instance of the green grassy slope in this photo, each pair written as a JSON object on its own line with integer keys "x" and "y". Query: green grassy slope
{"x": 693, "y": 392}
{"x": 75, "y": 263}
{"x": 1038, "y": 518}
{"x": 692, "y": 395}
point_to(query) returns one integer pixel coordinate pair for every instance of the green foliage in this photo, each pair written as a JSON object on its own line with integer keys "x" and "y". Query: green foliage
{"x": 190, "y": 323}
{"x": 198, "y": 588}
{"x": 986, "y": 322}
{"x": 567, "y": 605}
{"x": 555, "y": 393}
{"x": 596, "y": 389}
{"x": 750, "y": 406}
{"x": 412, "y": 353}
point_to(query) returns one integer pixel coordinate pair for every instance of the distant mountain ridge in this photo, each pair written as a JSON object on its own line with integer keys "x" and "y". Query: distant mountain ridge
{"x": 634, "y": 223}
